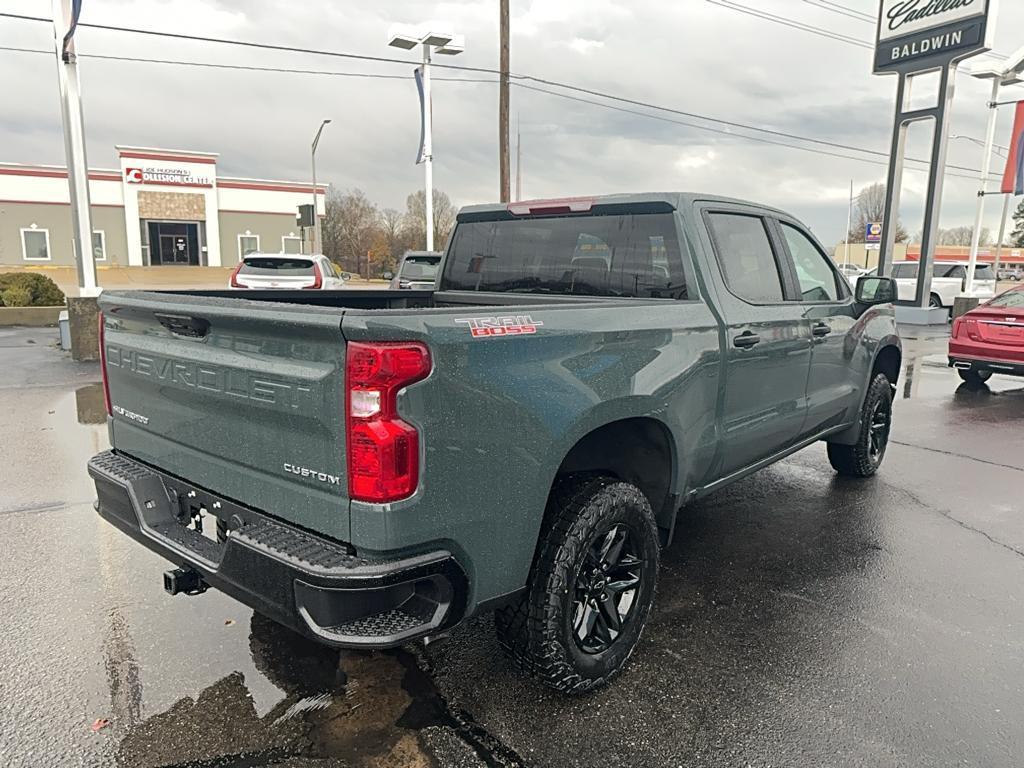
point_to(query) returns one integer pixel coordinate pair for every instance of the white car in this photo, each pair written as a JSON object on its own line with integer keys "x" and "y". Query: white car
{"x": 282, "y": 271}
{"x": 851, "y": 272}
{"x": 949, "y": 278}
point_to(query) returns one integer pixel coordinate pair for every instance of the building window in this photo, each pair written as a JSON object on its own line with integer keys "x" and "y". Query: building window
{"x": 248, "y": 243}
{"x": 99, "y": 245}
{"x": 291, "y": 244}
{"x": 35, "y": 244}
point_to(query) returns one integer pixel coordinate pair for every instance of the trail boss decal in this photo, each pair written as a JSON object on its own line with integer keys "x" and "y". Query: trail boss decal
{"x": 502, "y": 325}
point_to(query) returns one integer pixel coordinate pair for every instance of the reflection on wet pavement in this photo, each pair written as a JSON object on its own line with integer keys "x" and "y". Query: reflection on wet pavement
{"x": 339, "y": 708}
{"x": 90, "y": 404}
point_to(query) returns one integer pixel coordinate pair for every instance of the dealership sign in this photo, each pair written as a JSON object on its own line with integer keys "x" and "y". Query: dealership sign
{"x": 916, "y": 35}
{"x": 175, "y": 176}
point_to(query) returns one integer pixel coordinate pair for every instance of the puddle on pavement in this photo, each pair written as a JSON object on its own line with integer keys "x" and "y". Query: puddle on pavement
{"x": 90, "y": 405}
{"x": 360, "y": 709}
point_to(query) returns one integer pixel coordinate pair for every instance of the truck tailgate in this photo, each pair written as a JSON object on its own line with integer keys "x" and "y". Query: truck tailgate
{"x": 244, "y": 399}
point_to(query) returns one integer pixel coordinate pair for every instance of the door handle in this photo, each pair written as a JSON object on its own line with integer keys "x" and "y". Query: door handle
{"x": 746, "y": 340}
{"x": 821, "y": 330}
{"x": 183, "y": 325}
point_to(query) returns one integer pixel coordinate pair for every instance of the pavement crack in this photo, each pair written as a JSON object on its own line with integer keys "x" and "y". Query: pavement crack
{"x": 958, "y": 455}
{"x": 489, "y": 748}
{"x": 966, "y": 526}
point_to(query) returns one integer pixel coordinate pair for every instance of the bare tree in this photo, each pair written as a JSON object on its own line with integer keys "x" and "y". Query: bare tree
{"x": 963, "y": 236}
{"x": 869, "y": 207}
{"x": 350, "y": 228}
{"x": 414, "y": 225}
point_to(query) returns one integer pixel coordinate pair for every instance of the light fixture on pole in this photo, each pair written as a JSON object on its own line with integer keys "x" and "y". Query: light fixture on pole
{"x": 443, "y": 43}
{"x": 317, "y": 246}
{"x": 1007, "y": 72}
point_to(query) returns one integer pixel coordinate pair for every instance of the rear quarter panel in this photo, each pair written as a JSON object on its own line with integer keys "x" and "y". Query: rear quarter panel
{"x": 498, "y": 415}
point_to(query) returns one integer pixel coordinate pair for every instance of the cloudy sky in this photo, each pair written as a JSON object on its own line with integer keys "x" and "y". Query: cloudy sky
{"x": 690, "y": 55}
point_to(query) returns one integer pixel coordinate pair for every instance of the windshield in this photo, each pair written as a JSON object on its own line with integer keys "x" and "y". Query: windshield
{"x": 1014, "y": 298}
{"x": 255, "y": 265}
{"x": 420, "y": 267}
{"x": 628, "y": 255}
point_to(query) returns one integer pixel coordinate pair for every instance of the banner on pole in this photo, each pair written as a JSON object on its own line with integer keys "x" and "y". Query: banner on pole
{"x": 421, "y": 154}
{"x": 1013, "y": 178}
{"x": 76, "y": 11}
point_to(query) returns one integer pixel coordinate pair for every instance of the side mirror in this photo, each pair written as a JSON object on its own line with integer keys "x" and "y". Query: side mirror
{"x": 346, "y": 276}
{"x": 872, "y": 290}
{"x": 388, "y": 275}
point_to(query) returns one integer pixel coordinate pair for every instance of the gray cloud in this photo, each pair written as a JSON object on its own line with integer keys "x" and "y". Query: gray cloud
{"x": 687, "y": 54}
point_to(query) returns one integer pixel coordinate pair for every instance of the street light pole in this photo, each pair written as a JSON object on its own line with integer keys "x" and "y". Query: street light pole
{"x": 317, "y": 241}
{"x": 64, "y": 21}
{"x": 1005, "y": 73}
{"x": 428, "y": 149}
{"x": 445, "y": 43}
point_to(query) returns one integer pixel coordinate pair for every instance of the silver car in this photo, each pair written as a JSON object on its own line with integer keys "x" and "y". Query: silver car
{"x": 281, "y": 271}
{"x": 417, "y": 271}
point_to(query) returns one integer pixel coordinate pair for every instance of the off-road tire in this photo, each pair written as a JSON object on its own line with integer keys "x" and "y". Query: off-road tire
{"x": 974, "y": 378}
{"x": 859, "y": 459}
{"x": 536, "y": 631}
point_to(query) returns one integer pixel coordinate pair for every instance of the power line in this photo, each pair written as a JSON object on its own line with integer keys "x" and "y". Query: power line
{"x": 819, "y": 31}
{"x": 727, "y": 133}
{"x": 843, "y": 10}
{"x": 516, "y": 77}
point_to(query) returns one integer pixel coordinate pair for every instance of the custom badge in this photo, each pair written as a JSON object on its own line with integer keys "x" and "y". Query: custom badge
{"x": 502, "y": 325}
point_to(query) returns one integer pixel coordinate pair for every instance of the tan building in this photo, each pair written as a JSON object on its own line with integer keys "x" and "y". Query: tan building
{"x": 160, "y": 207}
{"x": 868, "y": 258}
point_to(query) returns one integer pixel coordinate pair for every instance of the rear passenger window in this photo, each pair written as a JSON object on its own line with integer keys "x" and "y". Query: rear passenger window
{"x": 905, "y": 271}
{"x": 746, "y": 257}
{"x": 817, "y": 280}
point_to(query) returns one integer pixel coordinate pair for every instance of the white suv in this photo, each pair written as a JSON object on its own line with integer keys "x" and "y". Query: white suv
{"x": 948, "y": 281}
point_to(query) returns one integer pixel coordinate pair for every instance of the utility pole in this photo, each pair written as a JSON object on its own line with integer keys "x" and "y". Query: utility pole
{"x": 849, "y": 224}
{"x": 519, "y": 163}
{"x": 65, "y": 19}
{"x": 503, "y": 158}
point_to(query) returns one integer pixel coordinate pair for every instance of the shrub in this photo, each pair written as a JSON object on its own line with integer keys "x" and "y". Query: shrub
{"x": 41, "y": 290}
{"x": 16, "y": 297}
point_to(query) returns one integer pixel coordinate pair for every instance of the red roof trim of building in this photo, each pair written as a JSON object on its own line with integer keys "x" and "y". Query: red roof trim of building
{"x": 55, "y": 174}
{"x": 169, "y": 158}
{"x": 57, "y": 202}
{"x": 269, "y": 187}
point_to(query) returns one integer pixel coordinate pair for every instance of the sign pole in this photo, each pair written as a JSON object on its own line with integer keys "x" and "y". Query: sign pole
{"x": 916, "y": 39}
{"x": 65, "y": 19}
{"x": 986, "y": 165}
{"x": 1002, "y": 234}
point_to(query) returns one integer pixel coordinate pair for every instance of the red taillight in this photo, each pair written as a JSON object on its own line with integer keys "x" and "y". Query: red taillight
{"x": 103, "y": 364}
{"x": 383, "y": 450}
{"x": 971, "y": 328}
{"x": 957, "y": 325}
{"x": 234, "y": 276}
{"x": 318, "y": 277}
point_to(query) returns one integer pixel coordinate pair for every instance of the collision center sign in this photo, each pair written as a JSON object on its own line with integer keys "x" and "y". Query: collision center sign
{"x": 175, "y": 176}
{"x": 918, "y": 34}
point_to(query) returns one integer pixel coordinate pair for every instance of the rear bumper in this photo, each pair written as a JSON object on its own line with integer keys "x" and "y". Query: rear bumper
{"x": 963, "y": 362}
{"x": 317, "y": 586}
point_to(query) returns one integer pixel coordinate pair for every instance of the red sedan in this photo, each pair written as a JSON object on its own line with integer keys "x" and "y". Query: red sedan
{"x": 990, "y": 339}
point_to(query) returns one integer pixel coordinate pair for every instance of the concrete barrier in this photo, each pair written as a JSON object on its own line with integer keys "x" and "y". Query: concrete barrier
{"x": 83, "y": 320}
{"x": 37, "y": 317}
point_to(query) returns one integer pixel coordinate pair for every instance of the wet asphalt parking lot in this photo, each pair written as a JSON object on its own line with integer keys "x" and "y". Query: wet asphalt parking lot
{"x": 801, "y": 620}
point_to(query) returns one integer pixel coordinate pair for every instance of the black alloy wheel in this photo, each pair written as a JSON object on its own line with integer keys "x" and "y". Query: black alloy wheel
{"x": 878, "y": 429}
{"x": 606, "y": 589}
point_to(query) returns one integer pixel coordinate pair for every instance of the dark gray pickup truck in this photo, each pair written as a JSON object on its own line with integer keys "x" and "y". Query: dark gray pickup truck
{"x": 371, "y": 467}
